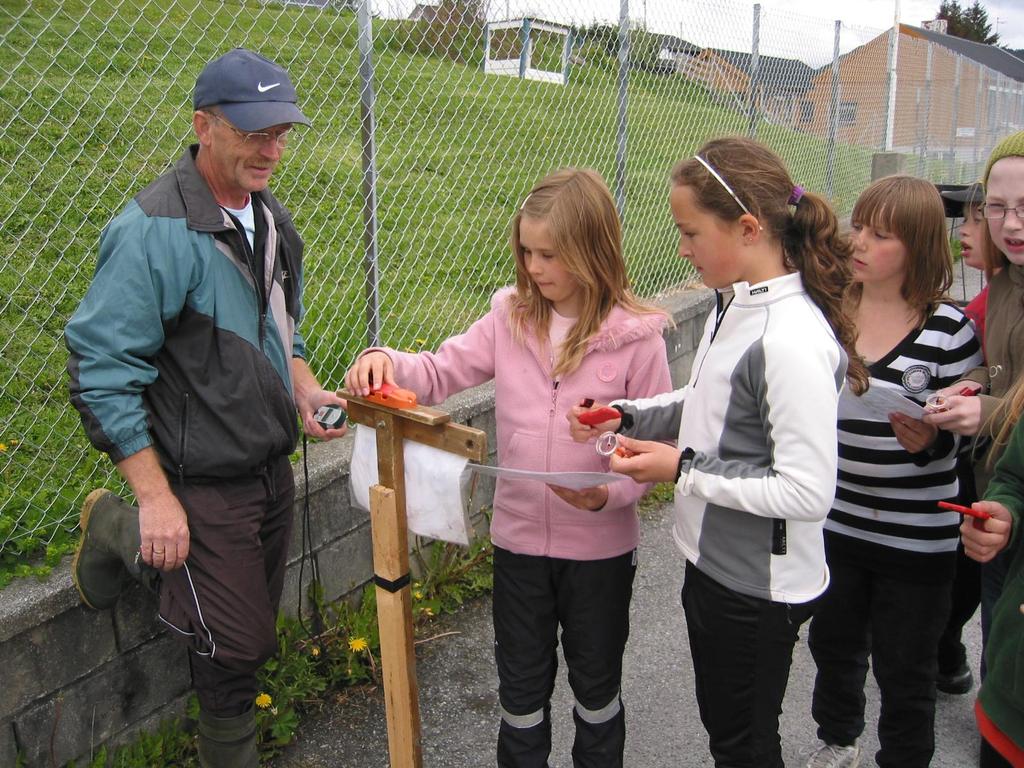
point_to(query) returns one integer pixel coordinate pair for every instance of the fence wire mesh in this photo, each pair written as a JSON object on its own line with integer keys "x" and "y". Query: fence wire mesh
{"x": 472, "y": 102}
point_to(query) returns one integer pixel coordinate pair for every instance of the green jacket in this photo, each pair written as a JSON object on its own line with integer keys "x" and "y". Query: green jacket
{"x": 174, "y": 347}
{"x": 1001, "y": 692}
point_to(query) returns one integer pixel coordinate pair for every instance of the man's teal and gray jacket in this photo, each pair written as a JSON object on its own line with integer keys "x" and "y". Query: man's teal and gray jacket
{"x": 173, "y": 345}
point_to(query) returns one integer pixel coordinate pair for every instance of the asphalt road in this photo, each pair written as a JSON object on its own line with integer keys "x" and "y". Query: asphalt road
{"x": 458, "y": 692}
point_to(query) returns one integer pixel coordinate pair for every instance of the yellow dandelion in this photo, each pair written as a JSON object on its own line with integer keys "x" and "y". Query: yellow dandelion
{"x": 418, "y": 595}
{"x": 421, "y": 341}
{"x": 358, "y": 644}
{"x": 314, "y": 651}
{"x": 263, "y": 700}
{"x": 3, "y": 447}
{"x": 428, "y": 610}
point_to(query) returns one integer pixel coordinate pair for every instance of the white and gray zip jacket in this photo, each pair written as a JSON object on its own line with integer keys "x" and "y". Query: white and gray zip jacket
{"x": 759, "y": 415}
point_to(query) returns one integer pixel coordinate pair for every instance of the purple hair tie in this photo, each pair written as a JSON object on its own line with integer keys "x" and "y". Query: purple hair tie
{"x": 796, "y": 194}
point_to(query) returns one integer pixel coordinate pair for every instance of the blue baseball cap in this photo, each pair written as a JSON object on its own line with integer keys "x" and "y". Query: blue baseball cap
{"x": 250, "y": 91}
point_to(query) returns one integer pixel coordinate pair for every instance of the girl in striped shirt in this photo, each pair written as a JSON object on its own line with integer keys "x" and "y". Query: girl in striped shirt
{"x": 890, "y": 550}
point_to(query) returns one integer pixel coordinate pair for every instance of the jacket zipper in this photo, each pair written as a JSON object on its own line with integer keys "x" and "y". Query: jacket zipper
{"x": 720, "y": 309}
{"x": 257, "y": 282}
{"x": 182, "y": 438}
{"x": 547, "y": 463}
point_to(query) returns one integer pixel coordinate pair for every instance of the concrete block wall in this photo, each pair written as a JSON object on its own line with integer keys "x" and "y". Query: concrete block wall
{"x": 75, "y": 679}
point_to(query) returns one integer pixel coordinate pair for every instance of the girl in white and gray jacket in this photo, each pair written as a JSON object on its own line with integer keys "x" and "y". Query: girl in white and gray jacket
{"x": 755, "y": 462}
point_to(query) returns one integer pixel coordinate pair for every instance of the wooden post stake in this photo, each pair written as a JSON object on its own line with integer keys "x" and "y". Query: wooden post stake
{"x": 390, "y": 533}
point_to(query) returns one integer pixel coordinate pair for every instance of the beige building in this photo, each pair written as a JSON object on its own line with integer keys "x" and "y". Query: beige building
{"x": 951, "y": 94}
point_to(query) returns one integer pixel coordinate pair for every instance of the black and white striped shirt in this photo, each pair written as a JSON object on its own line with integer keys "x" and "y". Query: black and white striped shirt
{"x": 885, "y": 515}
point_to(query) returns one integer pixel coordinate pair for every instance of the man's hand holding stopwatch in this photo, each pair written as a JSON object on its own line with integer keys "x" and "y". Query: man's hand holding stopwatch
{"x": 646, "y": 461}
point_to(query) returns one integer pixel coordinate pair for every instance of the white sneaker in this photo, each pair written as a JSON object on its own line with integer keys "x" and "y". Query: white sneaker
{"x": 832, "y": 756}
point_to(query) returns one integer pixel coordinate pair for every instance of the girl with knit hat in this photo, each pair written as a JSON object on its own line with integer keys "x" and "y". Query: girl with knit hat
{"x": 1000, "y": 709}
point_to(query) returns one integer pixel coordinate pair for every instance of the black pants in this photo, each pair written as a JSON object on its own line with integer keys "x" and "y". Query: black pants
{"x": 742, "y": 648}
{"x": 223, "y": 602}
{"x": 966, "y": 596}
{"x": 966, "y": 590}
{"x": 898, "y": 622}
{"x": 590, "y": 600}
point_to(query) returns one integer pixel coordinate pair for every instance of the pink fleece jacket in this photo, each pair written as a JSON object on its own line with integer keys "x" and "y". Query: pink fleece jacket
{"x": 626, "y": 359}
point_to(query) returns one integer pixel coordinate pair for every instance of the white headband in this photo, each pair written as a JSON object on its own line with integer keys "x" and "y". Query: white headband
{"x": 721, "y": 181}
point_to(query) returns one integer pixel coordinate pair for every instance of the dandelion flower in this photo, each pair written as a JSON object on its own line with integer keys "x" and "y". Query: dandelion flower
{"x": 358, "y": 644}
{"x": 418, "y": 595}
{"x": 314, "y": 651}
{"x": 263, "y": 700}
{"x": 3, "y": 447}
{"x": 427, "y": 610}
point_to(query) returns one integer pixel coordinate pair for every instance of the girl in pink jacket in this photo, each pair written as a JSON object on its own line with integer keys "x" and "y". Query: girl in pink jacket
{"x": 570, "y": 329}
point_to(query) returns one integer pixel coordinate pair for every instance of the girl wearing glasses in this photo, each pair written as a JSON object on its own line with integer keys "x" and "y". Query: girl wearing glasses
{"x": 756, "y": 428}
{"x": 994, "y": 415}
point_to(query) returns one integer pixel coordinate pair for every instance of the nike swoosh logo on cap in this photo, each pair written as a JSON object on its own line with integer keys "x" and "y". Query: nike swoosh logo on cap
{"x": 264, "y": 88}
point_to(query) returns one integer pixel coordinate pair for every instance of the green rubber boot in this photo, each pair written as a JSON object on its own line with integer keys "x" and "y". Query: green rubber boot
{"x": 228, "y": 742}
{"x": 108, "y": 550}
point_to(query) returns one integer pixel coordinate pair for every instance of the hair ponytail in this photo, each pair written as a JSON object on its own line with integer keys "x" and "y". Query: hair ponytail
{"x": 809, "y": 232}
{"x": 815, "y": 247}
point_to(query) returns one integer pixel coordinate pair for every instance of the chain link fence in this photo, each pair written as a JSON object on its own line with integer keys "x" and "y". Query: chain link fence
{"x": 430, "y": 124}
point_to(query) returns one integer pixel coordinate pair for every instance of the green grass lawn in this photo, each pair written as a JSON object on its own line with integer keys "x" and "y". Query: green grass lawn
{"x": 95, "y": 102}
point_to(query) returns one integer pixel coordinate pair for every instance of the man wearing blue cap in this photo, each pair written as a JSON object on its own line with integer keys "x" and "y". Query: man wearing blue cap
{"x": 188, "y": 369}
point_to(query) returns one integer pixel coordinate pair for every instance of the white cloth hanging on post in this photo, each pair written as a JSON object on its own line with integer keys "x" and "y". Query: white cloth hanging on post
{"x": 437, "y": 486}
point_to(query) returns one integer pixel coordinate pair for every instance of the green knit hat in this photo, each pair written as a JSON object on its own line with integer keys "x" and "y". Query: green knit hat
{"x": 1011, "y": 146}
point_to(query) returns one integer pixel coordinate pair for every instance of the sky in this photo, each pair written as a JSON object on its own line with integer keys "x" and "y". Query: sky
{"x": 880, "y": 13}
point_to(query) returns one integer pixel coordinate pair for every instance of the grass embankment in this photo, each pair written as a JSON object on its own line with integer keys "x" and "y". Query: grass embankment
{"x": 96, "y": 100}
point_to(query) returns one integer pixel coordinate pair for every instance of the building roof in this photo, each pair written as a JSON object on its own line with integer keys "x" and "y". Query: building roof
{"x": 775, "y": 73}
{"x": 677, "y": 44}
{"x": 991, "y": 56}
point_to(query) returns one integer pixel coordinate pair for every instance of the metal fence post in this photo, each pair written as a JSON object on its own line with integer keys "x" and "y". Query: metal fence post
{"x": 622, "y": 124}
{"x": 833, "y": 119}
{"x": 926, "y": 114}
{"x": 890, "y": 110}
{"x": 367, "y": 103}
{"x": 978, "y": 125}
{"x": 1000, "y": 122}
{"x": 525, "y": 53}
{"x": 487, "y": 46}
{"x": 954, "y": 118}
{"x": 754, "y": 73}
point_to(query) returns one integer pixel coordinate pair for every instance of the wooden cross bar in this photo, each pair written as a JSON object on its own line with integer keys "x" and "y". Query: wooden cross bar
{"x": 390, "y": 533}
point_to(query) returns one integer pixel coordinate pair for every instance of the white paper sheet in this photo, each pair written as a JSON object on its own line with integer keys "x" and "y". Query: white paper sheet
{"x": 877, "y": 403}
{"x": 576, "y": 481}
{"x": 436, "y": 486}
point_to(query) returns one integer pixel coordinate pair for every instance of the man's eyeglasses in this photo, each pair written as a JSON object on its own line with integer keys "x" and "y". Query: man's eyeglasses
{"x": 999, "y": 211}
{"x": 255, "y": 138}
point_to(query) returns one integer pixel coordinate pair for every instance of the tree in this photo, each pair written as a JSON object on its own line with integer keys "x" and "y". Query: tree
{"x": 976, "y": 20}
{"x": 951, "y": 11}
{"x": 968, "y": 23}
